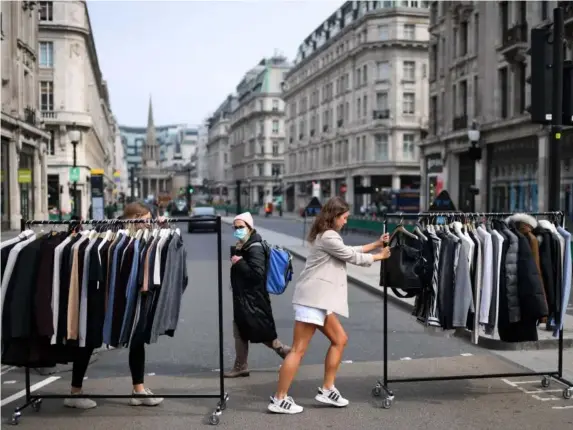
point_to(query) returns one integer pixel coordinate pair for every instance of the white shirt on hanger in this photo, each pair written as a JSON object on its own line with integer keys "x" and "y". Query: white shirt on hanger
{"x": 487, "y": 268}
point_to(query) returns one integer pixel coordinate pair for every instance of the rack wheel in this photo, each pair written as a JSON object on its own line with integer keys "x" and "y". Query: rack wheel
{"x": 214, "y": 419}
{"x": 567, "y": 393}
{"x": 15, "y": 418}
{"x": 37, "y": 405}
{"x": 387, "y": 404}
{"x": 377, "y": 391}
{"x": 545, "y": 382}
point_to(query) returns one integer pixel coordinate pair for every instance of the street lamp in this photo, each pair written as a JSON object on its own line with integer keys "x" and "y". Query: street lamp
{"x": 75, "y": 136}
{"x": 474, "y": 136}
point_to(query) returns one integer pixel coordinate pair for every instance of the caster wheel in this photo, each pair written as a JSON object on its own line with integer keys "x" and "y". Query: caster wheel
{"x": 223, "y": 406}
{"x": 387, "y": 403}
{"x": 376, "y": 391}
{"x": 567, "y": 393}
{"x": 37, "y": 405}
{"x": 214, "y": 420}
{"x": 545, "y": 382}
{"x": 15, "y": 418}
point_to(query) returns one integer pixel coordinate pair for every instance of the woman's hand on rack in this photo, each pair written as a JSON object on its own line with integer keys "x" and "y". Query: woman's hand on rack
{"x": 384, "y": 239}
{"x": 235, "y": 258}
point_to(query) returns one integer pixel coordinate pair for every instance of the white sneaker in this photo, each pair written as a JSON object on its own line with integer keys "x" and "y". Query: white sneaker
{"x": 79, "y": 403}
{"x": 145, "y": 401}
{"x": 331, "y": 397}
{"x": 284, "y": 406}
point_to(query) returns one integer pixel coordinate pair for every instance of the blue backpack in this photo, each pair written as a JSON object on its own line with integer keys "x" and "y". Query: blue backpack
{"x": 279, "y": 267}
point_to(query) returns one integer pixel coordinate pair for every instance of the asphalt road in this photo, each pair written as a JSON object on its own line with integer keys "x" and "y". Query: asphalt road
{"x": 187, "y": 363}
{"x": 297, "y": 228}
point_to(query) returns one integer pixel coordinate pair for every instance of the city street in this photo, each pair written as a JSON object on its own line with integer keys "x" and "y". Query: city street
{"x": 188, "y": 364}
{"x": 295, "y": 227}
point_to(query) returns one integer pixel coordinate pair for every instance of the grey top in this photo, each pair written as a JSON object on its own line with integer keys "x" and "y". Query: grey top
{"x": 173, "y": 285}
{"x": 84, "y": 295}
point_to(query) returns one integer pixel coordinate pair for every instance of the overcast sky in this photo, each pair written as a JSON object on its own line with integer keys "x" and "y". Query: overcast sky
{"x": 190, "y": 54}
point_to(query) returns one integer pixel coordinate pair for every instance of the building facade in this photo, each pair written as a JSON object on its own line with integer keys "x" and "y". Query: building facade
{"x": 478, "y": 72}
{"x": 74, "y": 96}
{"x": 258, "y": 135}
{"x": 357, "y": 103}
{"x": 218, "y": 151}
{"x": 23, "y": 171}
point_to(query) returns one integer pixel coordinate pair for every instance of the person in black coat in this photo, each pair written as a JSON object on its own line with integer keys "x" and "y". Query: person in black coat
{"x": 252, "y": 312}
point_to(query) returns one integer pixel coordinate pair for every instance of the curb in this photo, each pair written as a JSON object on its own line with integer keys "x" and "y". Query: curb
{"x": 483, "y": 342}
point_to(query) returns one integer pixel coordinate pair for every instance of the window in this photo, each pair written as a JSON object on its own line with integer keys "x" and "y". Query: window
{"x": 52, "y": 143}
{"x": 276, "y": 149}
{"x": 261, "y": 169}
{"x": 357, "y": 77}
{"x": 365, "y": 105}
{"x": 382, "y": 100}
{"x": 464, "y": 36}
{"x": 261, "y": 127}
{"x": 365, "y": 74}
{"x": 46, "y": 96}
{"x": 46, "y": 54}
{"x": 383, "y": 33}
{"x": 275, "y": 126}
{"x": 383, "y": 71}
{"x": 409, "y": 70}
{"x": 409, "y": 31}
{"x": 275, "y": 105}
{"x": 504, "y": 90}
{"x": 46, "y": 11}
{"x": 381, "y": 147}
{"x": 409, "y": 103}
{"x": 408, "y": 150}
{"x": 358, "y": 108}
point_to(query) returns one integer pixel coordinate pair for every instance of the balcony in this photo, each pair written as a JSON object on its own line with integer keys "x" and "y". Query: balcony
{"x": 381, "y": 114}
{"x": 30, "y": 116}
{"x": 514, "y": 43}
{"x": 460, "y": 122}
{"x": 81, "y": 119}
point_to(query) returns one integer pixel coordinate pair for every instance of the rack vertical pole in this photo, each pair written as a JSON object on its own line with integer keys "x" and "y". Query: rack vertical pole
{"x": 26, "y": 369}
{"x": 385, "y": 341}
{"x": 222, "y": 399}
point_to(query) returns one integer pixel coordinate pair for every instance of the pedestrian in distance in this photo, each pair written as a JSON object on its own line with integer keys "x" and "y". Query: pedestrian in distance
{"x": 253, "y": 320}
{"x": 135, "y": 210}
{"x": 320, "y": 295}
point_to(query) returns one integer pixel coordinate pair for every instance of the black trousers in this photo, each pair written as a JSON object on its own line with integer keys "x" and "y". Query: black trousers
{"x": 136, "y": 364}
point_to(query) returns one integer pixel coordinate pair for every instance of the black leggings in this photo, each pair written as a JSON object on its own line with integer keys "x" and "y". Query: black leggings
{"x": 136, "y": 364}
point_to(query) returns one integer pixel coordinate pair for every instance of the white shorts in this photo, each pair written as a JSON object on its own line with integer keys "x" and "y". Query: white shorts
{"x": 310, "y": 315}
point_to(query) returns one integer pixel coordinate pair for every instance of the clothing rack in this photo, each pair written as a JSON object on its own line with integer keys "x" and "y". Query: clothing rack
{"x": 382, "y": 386}
{"x": 35, "y": 400}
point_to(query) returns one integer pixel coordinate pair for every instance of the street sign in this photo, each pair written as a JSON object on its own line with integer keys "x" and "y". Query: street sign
{"x": 74, "y": 174}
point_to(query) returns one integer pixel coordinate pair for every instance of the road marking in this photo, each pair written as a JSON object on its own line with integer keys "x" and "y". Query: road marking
{"x": 543, "y": 399}
{"x": 6, "y": 369}
{"x": 216, "y": 370}
{"x": 346, "y": 361}
{"x": 516, "y": 383}
{"x": 542, "y": 391}
{"x": 9, "y": 382}
{"x": 563, "y": 407}
{"x": 33, "y": 388}
{"x": 85, "y": 377}
{"x": 405, "y": 358}
{"x": 466, "y": 354}
{"x": 151, "y": 374}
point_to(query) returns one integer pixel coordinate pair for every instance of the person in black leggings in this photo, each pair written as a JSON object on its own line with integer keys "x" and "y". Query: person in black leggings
{"x": 136, "y": 351}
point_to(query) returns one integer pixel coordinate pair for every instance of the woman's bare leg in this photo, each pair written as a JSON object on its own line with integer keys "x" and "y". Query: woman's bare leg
{"x": 302, "y": 335}
{"x": 335, "y": 333}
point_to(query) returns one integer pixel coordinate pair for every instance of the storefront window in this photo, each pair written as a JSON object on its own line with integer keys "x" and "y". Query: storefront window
{"x": 5, "y": 184}
{"x": 26, "y": 183}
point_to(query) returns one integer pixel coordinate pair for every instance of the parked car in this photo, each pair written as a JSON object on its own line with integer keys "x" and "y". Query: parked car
{"x": 203, "y": 218}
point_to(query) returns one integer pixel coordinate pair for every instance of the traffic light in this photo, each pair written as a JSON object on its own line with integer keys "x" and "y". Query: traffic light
{"x": 541, "y": 80}
{"x": 191, "y": 189}
{"x": 541, "y": 51}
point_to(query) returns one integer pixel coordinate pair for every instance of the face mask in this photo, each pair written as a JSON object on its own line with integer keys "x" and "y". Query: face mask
{"x": 240, "y": 233}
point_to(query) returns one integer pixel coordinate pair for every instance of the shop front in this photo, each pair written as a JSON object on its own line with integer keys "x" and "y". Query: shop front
{"x": 434, "y": 177}
{"x": 512, "y": 176}
{"x": 5, "y": 184}
{"x": 567, "y": 174}
{"x": 26, "y": 182}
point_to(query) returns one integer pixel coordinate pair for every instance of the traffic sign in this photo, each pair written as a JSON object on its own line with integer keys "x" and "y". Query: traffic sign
{"x": 74, "y": 174}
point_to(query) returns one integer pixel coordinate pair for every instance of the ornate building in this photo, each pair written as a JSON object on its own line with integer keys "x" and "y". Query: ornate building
{"x": 154, "y": 179}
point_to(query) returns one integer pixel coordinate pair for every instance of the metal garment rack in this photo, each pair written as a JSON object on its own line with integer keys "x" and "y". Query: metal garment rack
{"x": 382, "y": 386}
{"x": 35, "y": 400}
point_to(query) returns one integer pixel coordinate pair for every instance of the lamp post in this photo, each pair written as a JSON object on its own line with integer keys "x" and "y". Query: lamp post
{"x": 475, "y": 155}
{"x": 278, "y": 179}
{"x": 75, "y": 135}
{"x": 249, "y": 195}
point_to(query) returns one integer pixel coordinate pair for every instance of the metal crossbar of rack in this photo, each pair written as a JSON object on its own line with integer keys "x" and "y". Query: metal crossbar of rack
{"x": 556, "y": 374}
{"x": 35, "y": 400}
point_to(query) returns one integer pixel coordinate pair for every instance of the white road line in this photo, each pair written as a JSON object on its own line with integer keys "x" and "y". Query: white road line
{"x": 563, "y": 407}
{"x": 9, "y": 382}
{"x": 523, "y": 382}
{"x": 33, "y": 388}
{"x": 346, "y": 361}
{"x": 542, "y": 391}
{"x": 151, "y": 374}
{"x": 466, "y": 354}
{"x": 7, "y": 369}
{"x": 544, "y": 399}
{"x": 405, "y": 358}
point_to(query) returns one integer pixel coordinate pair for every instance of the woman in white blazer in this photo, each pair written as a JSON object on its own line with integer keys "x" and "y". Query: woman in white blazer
{"x": 321, "y": 293}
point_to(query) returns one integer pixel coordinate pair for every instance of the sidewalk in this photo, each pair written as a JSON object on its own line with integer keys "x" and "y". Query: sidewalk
{"x": 369, "y": 278}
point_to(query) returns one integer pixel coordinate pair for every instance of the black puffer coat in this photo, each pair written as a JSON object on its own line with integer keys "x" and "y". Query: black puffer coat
{"x": 252, "y": 310}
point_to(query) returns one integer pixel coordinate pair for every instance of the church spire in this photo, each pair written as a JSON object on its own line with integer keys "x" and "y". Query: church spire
{"x": 151, "y": 152}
